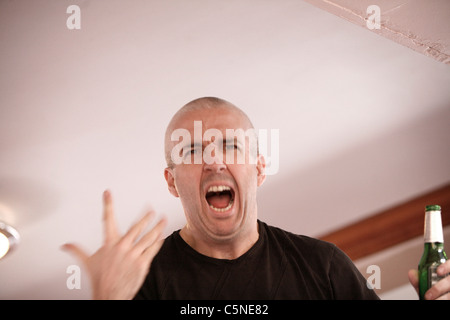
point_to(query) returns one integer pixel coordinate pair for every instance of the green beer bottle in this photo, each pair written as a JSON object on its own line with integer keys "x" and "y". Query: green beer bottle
{"x": 433, "y": 252}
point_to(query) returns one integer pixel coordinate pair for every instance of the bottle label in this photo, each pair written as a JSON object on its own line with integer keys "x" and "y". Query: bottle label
{"x": 433, "y": 277}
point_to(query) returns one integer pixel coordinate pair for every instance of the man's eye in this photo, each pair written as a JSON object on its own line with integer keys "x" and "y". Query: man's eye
{"x": 231, "y": 147}
{"x": 190, "y": 152}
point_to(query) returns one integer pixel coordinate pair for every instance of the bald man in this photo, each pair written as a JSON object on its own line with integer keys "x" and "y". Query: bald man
{"x": 223, "y": 251}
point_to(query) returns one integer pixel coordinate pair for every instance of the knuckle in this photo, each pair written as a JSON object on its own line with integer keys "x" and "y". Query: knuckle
{"x": 142, "y": 263}
{"x": 122, "y": 245}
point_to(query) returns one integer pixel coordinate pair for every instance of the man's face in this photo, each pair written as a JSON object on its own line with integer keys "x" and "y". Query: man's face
{"x": 218, "y": 197}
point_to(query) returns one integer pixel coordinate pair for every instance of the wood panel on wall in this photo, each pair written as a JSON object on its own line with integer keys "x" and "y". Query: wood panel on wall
{"x": 390, "y": 227}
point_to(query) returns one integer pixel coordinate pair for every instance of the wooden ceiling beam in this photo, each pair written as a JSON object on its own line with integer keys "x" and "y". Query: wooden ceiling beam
{"x": 390, "y": 227}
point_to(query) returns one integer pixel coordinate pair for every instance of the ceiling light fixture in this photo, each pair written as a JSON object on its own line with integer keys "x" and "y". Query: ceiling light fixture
{"x": 9, "y": 238}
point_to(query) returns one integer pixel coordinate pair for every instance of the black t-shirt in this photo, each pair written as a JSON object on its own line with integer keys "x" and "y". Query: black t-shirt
{"x": 280, "y": 265}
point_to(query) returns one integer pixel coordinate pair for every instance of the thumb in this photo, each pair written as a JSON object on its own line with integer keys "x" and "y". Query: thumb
{"x": 413, "y": 276}
{"x": 76, "y": 251}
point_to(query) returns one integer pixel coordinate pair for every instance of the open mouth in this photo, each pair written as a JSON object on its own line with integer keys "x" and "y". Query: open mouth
{"x": 220, "y": 198}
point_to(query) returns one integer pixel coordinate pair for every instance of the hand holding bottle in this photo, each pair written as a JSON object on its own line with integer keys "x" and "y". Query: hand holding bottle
{"x": 430, "y": 279}
{"x": 441, "y": 290}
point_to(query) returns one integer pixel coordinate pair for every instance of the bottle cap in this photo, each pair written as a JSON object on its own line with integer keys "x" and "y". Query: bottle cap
{"x": 433, "y": 208}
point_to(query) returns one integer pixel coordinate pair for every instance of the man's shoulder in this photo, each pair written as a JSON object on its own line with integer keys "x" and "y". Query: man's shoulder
{"x": 169, "y": 252}
{"x": 297, "y": 243}
{"x": 284, "y": 235}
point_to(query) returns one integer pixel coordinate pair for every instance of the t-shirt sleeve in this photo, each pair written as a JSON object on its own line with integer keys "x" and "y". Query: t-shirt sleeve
{"x": 346, "y": 281}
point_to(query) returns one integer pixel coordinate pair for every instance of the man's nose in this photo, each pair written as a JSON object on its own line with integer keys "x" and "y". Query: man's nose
{"x": 214, "y": 162}
{"x": 215, "y": 167}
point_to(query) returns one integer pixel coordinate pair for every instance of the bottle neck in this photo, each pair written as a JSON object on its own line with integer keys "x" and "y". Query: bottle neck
{"x": 435, "y": 246}
{"x": 433, "y": 227}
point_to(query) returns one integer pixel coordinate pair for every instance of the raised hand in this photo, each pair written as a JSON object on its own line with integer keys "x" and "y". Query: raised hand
{"x": 118, "y": 269}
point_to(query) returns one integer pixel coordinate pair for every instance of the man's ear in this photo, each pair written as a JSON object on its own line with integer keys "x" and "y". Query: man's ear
{"x": 168, "y": 174}
{"x": 261, "y": 169}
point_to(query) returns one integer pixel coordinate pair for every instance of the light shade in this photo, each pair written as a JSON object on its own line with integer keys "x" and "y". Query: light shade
{"x": 9, "y": 238}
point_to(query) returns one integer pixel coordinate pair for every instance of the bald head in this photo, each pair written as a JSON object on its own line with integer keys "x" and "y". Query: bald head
{"x": 198, "y": 105}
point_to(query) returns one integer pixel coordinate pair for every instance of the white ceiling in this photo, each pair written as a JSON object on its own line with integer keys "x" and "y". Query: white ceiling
{"x": 420, "y": 25}
{"x": 363, "y": 121}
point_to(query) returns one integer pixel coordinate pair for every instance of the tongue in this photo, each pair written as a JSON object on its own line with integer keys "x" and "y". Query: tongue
{"x": 219, "y": 200}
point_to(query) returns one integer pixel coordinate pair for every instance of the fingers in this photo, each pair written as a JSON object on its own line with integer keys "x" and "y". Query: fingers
{"x": 439, "y": 290}
{"x": 444, "y": 297}
{"x": 137, "y": 228}
{"x": 76, "y": 251}
{"x": 109, "y": 222}
{"x": 151, "y": 251}
{"x": 151, "y": 237}
{"x": 444, "y": 268}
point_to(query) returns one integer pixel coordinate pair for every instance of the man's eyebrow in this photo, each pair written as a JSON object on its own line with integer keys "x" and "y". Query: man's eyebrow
{"x": 193, "y": 145}
{"x": 225, "y": 141}
{"x": 232, "y": 140}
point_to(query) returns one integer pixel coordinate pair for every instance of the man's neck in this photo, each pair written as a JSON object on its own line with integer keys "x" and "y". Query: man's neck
{"x": 229, "y": 249}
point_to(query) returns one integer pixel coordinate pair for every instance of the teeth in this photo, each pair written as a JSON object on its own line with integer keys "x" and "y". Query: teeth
{"x": 218, "y": 188}
{"x": 222, "y": 209}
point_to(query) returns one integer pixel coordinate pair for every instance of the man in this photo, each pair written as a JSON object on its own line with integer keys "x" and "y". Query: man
{"x": 223, "y": 251}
